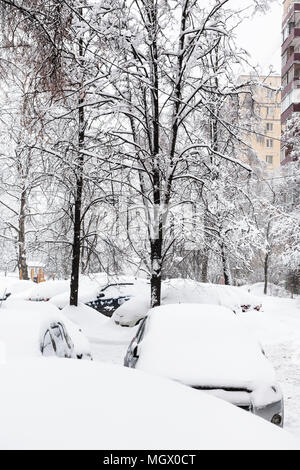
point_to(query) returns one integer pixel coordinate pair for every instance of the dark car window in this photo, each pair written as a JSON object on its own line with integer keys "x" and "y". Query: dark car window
{"x": 141, "y": 331}
{"x": 56, "y": 342}
{"x": 118, "y": 290}
{"x": 66, "y": 336}
{"x": 48, "y": 346}
{"x": 62, "y": 348}
{"x": 56, "y": 331}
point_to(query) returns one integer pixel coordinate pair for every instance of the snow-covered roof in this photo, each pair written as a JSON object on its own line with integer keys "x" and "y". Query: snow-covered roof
{"x": 102, "y": 406}
{"x": 203, "y": 346}
{"x": 35, "y": 264}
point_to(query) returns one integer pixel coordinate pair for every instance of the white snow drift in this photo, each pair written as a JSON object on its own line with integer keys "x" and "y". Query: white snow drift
{"x": 24, "y": 324}
{"x": 61, "y": 404}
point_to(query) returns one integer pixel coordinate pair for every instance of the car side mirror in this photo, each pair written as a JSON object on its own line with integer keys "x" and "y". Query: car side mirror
{"x": 101, "y": 295}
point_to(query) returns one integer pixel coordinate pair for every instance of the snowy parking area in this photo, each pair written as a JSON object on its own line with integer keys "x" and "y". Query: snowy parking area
{"x": 277, "y": 326}
{"x": 109, "y": 352}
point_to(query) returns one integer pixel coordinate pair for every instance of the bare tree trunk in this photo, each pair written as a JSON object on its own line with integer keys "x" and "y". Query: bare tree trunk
{"x": 156, "y": 276}
{"x": 267, "y": 257}
{"x": 266, "y": 272}
{"x": 156, "y": 241}
{"x": 204, "y": 272}
{"x": 22, "y": 262}
{"x": 76, "y": 241}
{"x": 226, "y": 268}
{"x": 74, "y": 286}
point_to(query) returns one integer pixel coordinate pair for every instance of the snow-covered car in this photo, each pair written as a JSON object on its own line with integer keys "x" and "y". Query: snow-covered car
{"x": 13, "y": 285}
{"x": 177, "y": 291}
{"x": 207, "y": 348}
{"x": 61, "y": 404}
{"x": 81, "y": 344}
{"x": 10, "y": 286}
{"x": 42, "y": 292}
{"x": 32, "y": 330}
{"x": 111, "y": 297}
{"x": 102, "y": 293}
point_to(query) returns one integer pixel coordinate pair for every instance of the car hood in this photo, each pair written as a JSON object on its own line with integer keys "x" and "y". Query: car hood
{"x": 211, "y": 350}
{"x": 219, "y": 374}
{"x": 262, "y": 396}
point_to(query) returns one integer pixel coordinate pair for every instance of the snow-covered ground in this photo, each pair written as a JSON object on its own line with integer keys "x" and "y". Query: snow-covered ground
{"x": 63, "y": 404}
{"x": 278, "y": 328}
{"x": 109, "y": 341}
{"x": 273, "y": 290}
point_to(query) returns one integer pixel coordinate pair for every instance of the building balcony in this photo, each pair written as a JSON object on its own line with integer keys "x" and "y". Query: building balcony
{"x": 292, "y": 40}
{"x": 287, "y": 89}
{"x": 293, "y": 108}
{"x": 294, "y": 58}
{"x": 293, "y": 85}
{"x": 294, "y": 7}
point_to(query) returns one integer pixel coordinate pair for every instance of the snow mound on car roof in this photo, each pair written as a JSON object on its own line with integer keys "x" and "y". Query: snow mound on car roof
{"x": 204, "y": 346}
{"x": 95, "y": 326}
{"x": 21, "y": 325}
{"x": 188, "y": 291}
{"x": 13, "y": 285}
{"x": 90, "y": 287}
{"x": 176, "y": 291}
{"x": 42, "y": 291}
{"x": 63, "y": 404}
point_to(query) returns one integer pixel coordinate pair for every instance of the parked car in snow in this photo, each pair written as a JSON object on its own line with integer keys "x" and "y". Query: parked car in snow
{"x": 81, "y": 344}
{"x": 55, "y": 341}
{"x": 177, "y": 291}
{"x": 42, "y": 292}
{"x": 207, "y": 348}
{"x": 111, "y": 297}
{"x": 104, "y": 294}
{"x": 31, "y": 330}
{"x": 61, "y": 404}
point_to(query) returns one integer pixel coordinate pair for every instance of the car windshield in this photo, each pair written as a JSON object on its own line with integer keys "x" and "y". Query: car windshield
{"x": 116, "y": 291}
{"x": 141, "y": 330}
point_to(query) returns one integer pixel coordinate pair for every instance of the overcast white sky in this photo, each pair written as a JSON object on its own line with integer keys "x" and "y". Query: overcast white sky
{"x": 261, "y": 37}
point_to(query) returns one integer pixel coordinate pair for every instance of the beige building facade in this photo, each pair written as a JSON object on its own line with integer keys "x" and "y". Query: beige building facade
{"x": 266, "y": 139}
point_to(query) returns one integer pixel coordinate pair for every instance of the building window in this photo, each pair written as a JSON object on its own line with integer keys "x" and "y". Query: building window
{"x": 269, "y": 159}
{"x": 269, "y": 126}
{"x": 260, "y": 139}
{"x": 269, "y": 143}
{"x": 287, "y": 101}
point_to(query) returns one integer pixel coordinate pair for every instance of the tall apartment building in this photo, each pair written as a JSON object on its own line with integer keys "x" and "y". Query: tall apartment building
{"x": 267, "y": 100}
{"x": 290, "y": 63}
